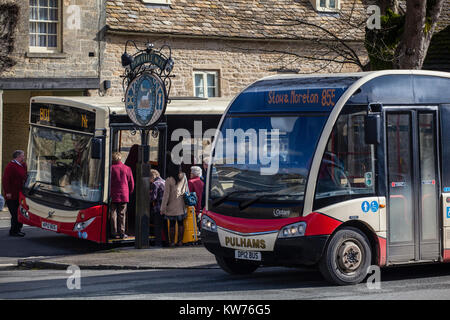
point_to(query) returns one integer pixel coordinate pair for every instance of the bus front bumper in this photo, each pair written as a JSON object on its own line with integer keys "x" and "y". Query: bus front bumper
{"x": 306, "y": 250}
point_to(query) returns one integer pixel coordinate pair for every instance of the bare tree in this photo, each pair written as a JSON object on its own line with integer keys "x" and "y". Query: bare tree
{"x": 8, "y": 20}
{"x": 401, "y": 43}
{"x": 420, "y": 24}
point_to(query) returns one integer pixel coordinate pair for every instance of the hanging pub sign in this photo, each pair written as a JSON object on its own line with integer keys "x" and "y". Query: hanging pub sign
{"x": 147, "y": 81}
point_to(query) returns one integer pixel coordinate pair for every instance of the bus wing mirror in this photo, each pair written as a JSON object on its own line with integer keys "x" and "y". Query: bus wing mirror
{"x": 97, "y": 148}
{"x": 372, "y": 129}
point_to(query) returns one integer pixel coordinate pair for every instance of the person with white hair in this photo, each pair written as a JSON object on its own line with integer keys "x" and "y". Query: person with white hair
{"x": 196, "y": 185}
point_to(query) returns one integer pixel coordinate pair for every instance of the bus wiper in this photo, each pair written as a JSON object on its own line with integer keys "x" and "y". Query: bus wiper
{"x": 33, "y": 188}
{"x": 225, "y": 197}
{"x": 248, "y": 203}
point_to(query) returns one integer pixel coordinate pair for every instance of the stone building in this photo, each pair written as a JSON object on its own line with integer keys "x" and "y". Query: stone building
{"x": 52, "y": 48}
{"x": 71, "y": 47}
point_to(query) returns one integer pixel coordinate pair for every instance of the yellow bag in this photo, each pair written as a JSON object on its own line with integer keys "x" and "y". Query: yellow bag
{"x": 190, "y": 226}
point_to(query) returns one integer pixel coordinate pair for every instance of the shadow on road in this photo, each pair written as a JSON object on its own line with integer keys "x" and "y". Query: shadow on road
{"x": 38, "y": 242}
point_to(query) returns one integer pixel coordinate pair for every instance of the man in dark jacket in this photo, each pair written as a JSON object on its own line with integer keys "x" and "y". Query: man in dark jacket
{"x": 13, "y": 180}
{"x": 122, "y": 184}
{"x": 157, "y": 185}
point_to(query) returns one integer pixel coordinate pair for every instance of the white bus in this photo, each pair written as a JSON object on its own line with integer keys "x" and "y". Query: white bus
{"x": 359, "y": 174}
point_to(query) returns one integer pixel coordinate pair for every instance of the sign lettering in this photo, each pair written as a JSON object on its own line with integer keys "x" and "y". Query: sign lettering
{"x": 63, "y": 117}
{"x": 84, "y": 121}
{"x": 44, "y": 114}
{"x": 317, "y": 98}
{"x": 245, "y": 243}
{"x": 152, "y": 58}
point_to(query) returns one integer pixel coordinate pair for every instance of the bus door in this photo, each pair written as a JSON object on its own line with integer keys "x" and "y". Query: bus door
{"x": 413, "y": 184}
{"x": 126, "y": 139}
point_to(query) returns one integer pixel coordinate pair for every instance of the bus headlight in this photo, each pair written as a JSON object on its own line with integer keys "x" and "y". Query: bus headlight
{"x": 208, "y": 224}
{"x": 24, "y": 212}
{"x": 83, "y": 225}
{"x": 293, "y": 230}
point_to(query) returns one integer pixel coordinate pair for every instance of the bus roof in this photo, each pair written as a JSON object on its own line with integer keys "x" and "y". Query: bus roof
{"x": 213, "y": 106}
{"x": 321, "y": 92}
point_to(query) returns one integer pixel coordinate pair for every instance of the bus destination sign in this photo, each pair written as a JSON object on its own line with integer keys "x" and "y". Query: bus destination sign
{"x": 63, "y": 117}
{"x": 323, "y": 99}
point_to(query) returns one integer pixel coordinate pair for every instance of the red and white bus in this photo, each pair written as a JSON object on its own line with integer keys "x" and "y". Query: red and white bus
{"x": 69, "y": 156}
{"x": 339, "y": 171}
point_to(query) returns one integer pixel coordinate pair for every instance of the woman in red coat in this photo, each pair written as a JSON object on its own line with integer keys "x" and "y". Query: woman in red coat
{"x": 122, "y": 184}
{"x": 13, "y": 180}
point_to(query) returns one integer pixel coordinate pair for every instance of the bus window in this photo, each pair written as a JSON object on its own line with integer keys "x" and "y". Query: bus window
{"x": 347, "y": 166}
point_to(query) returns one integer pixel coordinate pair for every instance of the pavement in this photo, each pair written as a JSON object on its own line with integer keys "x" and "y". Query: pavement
{"x": 123, "y": 258}
{"x": 129, "y": 258}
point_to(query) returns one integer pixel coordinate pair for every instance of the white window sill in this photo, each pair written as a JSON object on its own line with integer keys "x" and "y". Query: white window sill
{"x": 46, "y": 55}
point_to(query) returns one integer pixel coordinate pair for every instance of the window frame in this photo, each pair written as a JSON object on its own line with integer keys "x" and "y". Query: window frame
{"x": 46, "y": 49}
{"x": 166, "y": 2}
{"x": 204, "y": 74}
{"x": 326, "y": 8}
{"x": 330, "y": 200}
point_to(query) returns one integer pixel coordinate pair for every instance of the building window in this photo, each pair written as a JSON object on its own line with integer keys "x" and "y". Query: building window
{"x": 44, "y": 25}
{"x": 326, "y": 5}
{"x": 206, "y": 84}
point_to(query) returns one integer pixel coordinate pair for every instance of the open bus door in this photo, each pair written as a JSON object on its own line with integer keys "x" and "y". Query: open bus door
{"x": 125, "y": 138}
{"x": 412, "y": 158}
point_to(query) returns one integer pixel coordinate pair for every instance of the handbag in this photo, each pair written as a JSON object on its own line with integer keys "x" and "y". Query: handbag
{"x": 190, "y": 198}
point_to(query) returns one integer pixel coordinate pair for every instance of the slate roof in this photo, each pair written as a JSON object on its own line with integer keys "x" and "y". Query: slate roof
{"x": 255, "y": 19}
{"x": 438, "y": 57}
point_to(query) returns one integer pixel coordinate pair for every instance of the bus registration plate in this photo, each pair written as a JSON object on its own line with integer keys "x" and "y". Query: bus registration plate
{"x": 247, "y": 255}
{"x": 49, "y": 226}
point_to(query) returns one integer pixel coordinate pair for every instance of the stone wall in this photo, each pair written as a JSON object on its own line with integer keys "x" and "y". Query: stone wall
{"x": 239, "y": 62}
{"x": 81, "y": 21}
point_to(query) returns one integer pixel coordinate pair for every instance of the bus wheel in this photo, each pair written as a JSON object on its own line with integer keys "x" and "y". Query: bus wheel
{"x": 233, "y": 266}
{"x": 346, "y": 258}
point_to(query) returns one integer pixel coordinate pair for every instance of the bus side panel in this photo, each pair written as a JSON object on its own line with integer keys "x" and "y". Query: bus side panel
{"x": 382, "y": 253}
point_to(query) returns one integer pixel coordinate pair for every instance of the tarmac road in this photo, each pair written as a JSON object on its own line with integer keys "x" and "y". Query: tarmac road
{"x": 182, "y": 273}
{"x": 407, "y": 283}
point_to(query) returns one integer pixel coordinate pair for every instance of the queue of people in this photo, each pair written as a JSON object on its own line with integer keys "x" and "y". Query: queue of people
{"x": 166, "y": 197}
{"x": 168, "y": 206}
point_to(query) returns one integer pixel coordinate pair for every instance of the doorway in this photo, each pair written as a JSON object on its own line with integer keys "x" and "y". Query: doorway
{"x": 413, "y": 184}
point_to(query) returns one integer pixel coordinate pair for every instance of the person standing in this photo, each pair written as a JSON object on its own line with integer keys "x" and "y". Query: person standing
{"x": 13, "y": 180}
{"x": 122, "y": 184}
{"x": 196, "y": 185}
{"x": 172, "y": 204}
{"x": 157, "y": 185}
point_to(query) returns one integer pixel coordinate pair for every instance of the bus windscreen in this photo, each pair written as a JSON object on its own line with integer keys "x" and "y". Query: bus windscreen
{"x": 264, "y": 157}
{"x": 60, "y": 164}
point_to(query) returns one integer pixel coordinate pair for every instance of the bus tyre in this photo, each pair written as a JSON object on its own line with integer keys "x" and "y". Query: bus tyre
{"x": 233, "y": 266}
{"x": 346, "y": 258}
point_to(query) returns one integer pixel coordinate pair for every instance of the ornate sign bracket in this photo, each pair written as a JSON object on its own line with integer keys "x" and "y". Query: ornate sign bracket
{"x": 147, "y": 81}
